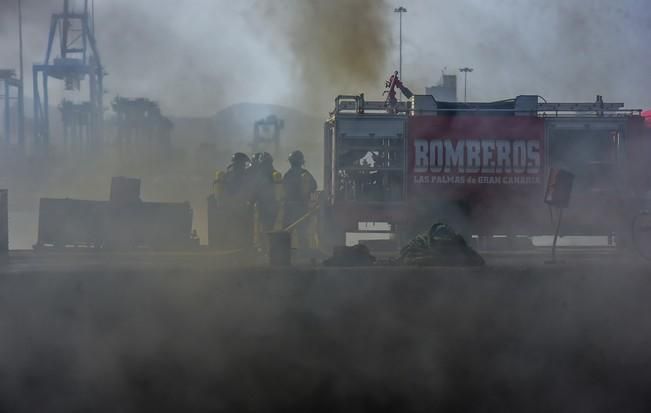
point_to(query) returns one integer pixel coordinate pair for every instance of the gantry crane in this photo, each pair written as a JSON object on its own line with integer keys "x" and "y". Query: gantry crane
{"x": 78, "y": 61}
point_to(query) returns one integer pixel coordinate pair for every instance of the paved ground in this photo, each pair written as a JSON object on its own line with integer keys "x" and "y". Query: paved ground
{"x": 82, "y": 260}
{"x": 198, "y": 332}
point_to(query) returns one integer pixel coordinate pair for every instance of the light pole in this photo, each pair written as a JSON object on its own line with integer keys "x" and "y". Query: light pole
{"x": 21, "y": 93}
{"x": 400, "y": 10}
{"x": 465, "y": 71}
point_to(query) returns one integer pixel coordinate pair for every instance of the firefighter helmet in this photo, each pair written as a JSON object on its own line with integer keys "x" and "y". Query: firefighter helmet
{"x": 240, "y": 157}
{"x": 263, "y": 158}
{"x": 296, "y": 158}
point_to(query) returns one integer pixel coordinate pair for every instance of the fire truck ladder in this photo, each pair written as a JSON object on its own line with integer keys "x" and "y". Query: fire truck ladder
{"x": 523, "y": 105}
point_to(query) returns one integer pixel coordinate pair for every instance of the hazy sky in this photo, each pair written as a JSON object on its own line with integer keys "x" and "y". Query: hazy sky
{"x": 198, "y": 56}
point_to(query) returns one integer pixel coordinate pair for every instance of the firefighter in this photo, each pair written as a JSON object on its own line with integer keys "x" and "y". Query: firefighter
{"x": 267, "y": 192}
{"x": 233, "y": 228}
{"x": 298, "y": 187}
{"x": 234, "y": 182}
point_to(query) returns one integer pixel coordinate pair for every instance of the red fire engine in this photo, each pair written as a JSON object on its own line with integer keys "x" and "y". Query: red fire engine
{"x": 482, "y": 167}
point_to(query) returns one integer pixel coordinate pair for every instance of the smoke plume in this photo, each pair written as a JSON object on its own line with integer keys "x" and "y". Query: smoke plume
{"x": 206, "y": 55}
{"x": 336, "y": 47}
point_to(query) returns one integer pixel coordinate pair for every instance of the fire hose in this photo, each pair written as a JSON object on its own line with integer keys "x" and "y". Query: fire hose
{"x": 309, "y": 213}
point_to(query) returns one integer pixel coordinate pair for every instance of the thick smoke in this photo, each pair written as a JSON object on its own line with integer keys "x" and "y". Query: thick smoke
{"x": 336, "y": 47}
{"x": 141, "y": 338}
{"x": 156, "y": 333}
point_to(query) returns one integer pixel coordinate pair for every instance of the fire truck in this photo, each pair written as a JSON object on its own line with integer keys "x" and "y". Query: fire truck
{"x": 482, "y": 167}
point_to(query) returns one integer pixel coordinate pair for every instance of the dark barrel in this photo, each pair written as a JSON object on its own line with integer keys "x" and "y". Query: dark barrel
{"x": 280, "y": 248}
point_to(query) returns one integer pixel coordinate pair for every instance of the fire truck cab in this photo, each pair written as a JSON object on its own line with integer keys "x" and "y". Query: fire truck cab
{"x": 482, "y": 167}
